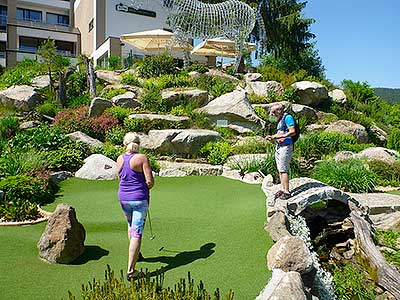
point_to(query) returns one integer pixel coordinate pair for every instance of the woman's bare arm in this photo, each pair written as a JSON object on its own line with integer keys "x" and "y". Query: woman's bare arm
{"x": 148, "y": 174}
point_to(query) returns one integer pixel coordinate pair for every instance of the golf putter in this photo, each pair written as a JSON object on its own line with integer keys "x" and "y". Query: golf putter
{"x": 152, "y": 236}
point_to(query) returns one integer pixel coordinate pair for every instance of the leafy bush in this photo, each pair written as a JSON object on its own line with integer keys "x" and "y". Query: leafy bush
{"x": 156, "y": 65}
{"x": 349, "y": 175}
{"x": 121, "y": 113}
{"x": 226, "y": 132}
{"x": 394, "y": 139}
{"x": 359, "y": 91}
{"x": 152, "y": 100}
{"x": 19, "y": 163}
{"x": 317, "y": 144}
{"x": 48, "y": 108}
{"x": 111, "y": 93}
{"x": 67, "y": 158}
{"x": 216, "y": 152}
{"x": 145, "y": 289}
{"x": 116, "y": 135}
{"x": 75, "y": 119}
{"x": 76, "y": 86}
{"x": 9, "y": 126}
{"x": 114, "y": 62}
{"x": 130, "y": 79}
{"x": 109, "y": 150}
{"x": 23, "y": 73}
{"x": 199, "y": 120}
{"x": 83, "y": 99}
{"x": 33, "y": 188}
{"x": 145, "y": 125}
{"x": 271, "y": 73}
{"x": 154, "y": 165}
{"x": 18, "y": 210}
{"x": 388, "y": 174}
{"x": 197, "y": 67}
{"x": 216, "y": 86}
{"x": 253, "y": 146}
{"x": 351, "y": 283}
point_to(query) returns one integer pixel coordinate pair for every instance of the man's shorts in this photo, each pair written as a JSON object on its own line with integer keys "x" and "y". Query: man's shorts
{"x": 283, "y": 155}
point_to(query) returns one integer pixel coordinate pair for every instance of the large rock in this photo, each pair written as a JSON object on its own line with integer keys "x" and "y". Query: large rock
{"x": 290, "y": 253}
{"x": 220, "y": 74}
{"x": 349, "y": 127}
{"x": 386, "y": 221}
{"x": 283, "y": 286}
{"x": 338, "y": 96}
{"x": 264, "y": 88}
{"x": 278, "y": 226}
{"x": 22, "y": 97}
{"x": 198, "y": 96}
{"x": 41, "y": 82}
{"x": 179, "y": 169}
{"x": 184, "y": 121}
{"x": 108, "y": 76}
{"x": 126, "y": 100}
{"x": 98, "y": 106}
{"x": 310, "y": 93}
{"x": 98, "y": 167}
{"x": 303, "y": 110}
{"x": 185, "y": 142}
{"x": 63, "y": 239}
{"x": 79, "y": 136}
{"x": 379, "y": 153}
{"x": 235, "y": 108}
{"x": 251, "y": 77}
{"x": 378, "y": 135}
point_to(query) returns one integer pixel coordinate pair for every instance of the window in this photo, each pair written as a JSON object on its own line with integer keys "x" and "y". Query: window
{"x": 2, "y": 49}
{"x": 57, "y": 19}
{"x": 3, "y": 18}
{"x": 29, "y": 15}
{"x": 29, "y": 44}
{"x": 91, "y": 25}
{"x": 65, "y": 48}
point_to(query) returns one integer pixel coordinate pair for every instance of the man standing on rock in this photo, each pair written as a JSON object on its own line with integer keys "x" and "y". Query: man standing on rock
{"x": 284, "y": 146}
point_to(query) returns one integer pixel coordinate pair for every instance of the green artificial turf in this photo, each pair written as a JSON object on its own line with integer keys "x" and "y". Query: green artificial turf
{"x": 395, "y": 192}
{"x": 224, "y": 216}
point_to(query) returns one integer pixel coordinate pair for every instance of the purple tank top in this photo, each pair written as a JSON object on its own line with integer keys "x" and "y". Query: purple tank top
{"x": 132, "y": 184}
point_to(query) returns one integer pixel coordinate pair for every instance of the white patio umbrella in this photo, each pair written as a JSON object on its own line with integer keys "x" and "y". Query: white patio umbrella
{"x": 152, "y": 40}
{"x": 220, "y": 47}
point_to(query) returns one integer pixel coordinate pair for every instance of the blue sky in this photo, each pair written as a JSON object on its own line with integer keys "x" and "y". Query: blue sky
{"x": 358, "y": 39}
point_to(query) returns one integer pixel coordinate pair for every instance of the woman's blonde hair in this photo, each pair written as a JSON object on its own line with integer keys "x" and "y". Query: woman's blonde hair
{"x": 131, "y": 142}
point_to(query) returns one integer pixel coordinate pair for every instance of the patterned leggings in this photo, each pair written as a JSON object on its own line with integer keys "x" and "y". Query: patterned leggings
{"x": 135, "y": 213}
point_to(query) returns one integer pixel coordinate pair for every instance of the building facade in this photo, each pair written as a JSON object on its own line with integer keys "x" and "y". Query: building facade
{"x": 25, "y": 25}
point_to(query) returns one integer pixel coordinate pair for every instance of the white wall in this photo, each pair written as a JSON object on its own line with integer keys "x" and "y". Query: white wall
{"x": 54, "y": 3}
{"x": 61, "y": 36}
{"x": 118, "y": 23}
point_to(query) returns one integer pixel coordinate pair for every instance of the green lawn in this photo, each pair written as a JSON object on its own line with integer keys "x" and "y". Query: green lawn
{"x": 396, "y": 192}
{"x": 186, "y": 214}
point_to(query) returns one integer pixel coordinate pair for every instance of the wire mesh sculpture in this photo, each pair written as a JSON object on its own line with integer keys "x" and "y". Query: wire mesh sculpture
{"x": 193, "y": 19}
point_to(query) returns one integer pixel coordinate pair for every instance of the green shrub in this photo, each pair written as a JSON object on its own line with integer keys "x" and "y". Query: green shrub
{"x": 9, "y": 126}
{"x": 145, "y": 289}
{"x": 197, "y": 67}
{"x": 23, "y": 73}
{"x": 19, "y": 163}
{"x": 226, "y": 132}
{"x": 169, "y": 81}
{"x": 317, "y": 144}
{"x": 116, "y": 135}
{"x": 216, "y": 152}
{"x": 152, "y": 100}
{"x": 349, "y": 175}
{"x": 154, "y": 165}
{"x": 199, "y": 120}
{"x": 216, "y": 86}
{"x": 255, "y": 99}
{"x": 271, "y": 73}
{"x": 359, "y": 92}
{"x": 28, "y": 188}
{"x": 67, "y": 158}
{"x": 253, "y": 146}
{"x": 156, "y": 65}
{"x": 109, "y": 150}
{"x": 145, "y": 125}
{"x": 77, "y": 119}
{"x": 111, "y": 93}
{"x": 390, "y": 239}
{"x": 114, "y": 62}
{"x": 130, "y": 79}
{"x": 388, "y": 174}
{"x": 80, "y": 100}
{"x": 76, "y": 85}
{"x": 48, "y": 108}
{"x": 351, "y": 283}
{"x": 121, "y": 113}
{"x": 394, "y": 139}
{"x": 18, "y": 210}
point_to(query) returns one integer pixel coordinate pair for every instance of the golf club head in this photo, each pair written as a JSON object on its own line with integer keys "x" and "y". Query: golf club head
{"x": 161, "y": 248}
{"x": 152, "y": 237}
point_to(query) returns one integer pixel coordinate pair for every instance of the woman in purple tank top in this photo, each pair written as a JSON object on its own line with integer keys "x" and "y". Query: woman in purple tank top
{"x": 135, "y": 181}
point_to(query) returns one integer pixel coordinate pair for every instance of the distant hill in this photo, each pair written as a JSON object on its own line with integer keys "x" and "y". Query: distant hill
{"x": 389, "y": 95}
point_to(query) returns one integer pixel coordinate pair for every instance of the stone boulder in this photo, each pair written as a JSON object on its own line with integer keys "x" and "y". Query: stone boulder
{"x": 251, "y": 77}
{"x": 126, "y": 100}
{"x": 278, "y": 226}
{"x": 179, "y": 169}
{"x": 378, "y": 153}
{"x": 41, "y": 82}
{"x": 108, "y": 76}
{"x": 63, "y": 238}
{"x": 57, "y": 177}
{"x": 198, "y": 96}
{"x": 178, "y": 141}
{"x": 29, "y": 124}
{"x": 290, "y": 253}
{"x": 22, "y": 97}
{"x": 264, "y": 88}
{"x": 326, "y": 118}
{"x": 234, "y": 108}
{"x": 284, "y": 286}
{"x": 349, "y": 127}
{"x": 386, "y": 221}
{"x": 98, "y": 106}
{"x": 244, "y": 159}
{"x": 378, "y": 135}
{"x": 220, "y": 74}
{"x": 182, "y": 120}
{"x": 98, "y": 167}
{"x": 343, "y": 155}
{"x": 79, "y": 136}
{"x": 310, "y": 93}
{"x": 338, "y": 95}
{"x": 303, "y": 110}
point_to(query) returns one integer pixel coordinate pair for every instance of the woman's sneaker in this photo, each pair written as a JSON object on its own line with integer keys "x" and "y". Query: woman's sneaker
{"x": 285, "y": 196}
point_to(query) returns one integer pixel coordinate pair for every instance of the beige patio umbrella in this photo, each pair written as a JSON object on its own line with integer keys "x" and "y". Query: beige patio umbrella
{"x": 220, "y": 47}
{"x": 152, "y": 40}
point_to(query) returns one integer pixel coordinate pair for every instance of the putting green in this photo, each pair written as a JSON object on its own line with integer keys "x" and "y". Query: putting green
{"x": 223, "y": 215}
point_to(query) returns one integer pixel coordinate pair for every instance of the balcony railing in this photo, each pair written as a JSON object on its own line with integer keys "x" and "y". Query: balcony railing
{"x": 41, "y": 25}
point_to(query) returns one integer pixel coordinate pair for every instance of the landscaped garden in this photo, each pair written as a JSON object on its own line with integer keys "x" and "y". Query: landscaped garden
{"x": 210, "y": 227}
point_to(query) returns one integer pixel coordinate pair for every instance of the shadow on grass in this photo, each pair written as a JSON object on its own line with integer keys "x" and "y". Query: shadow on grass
{"x": 181, "y": 258}
{"x": 91, "y": 253}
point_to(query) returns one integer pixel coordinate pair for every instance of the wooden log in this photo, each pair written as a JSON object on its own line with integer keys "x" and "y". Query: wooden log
{"x": 381, "y": 271}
